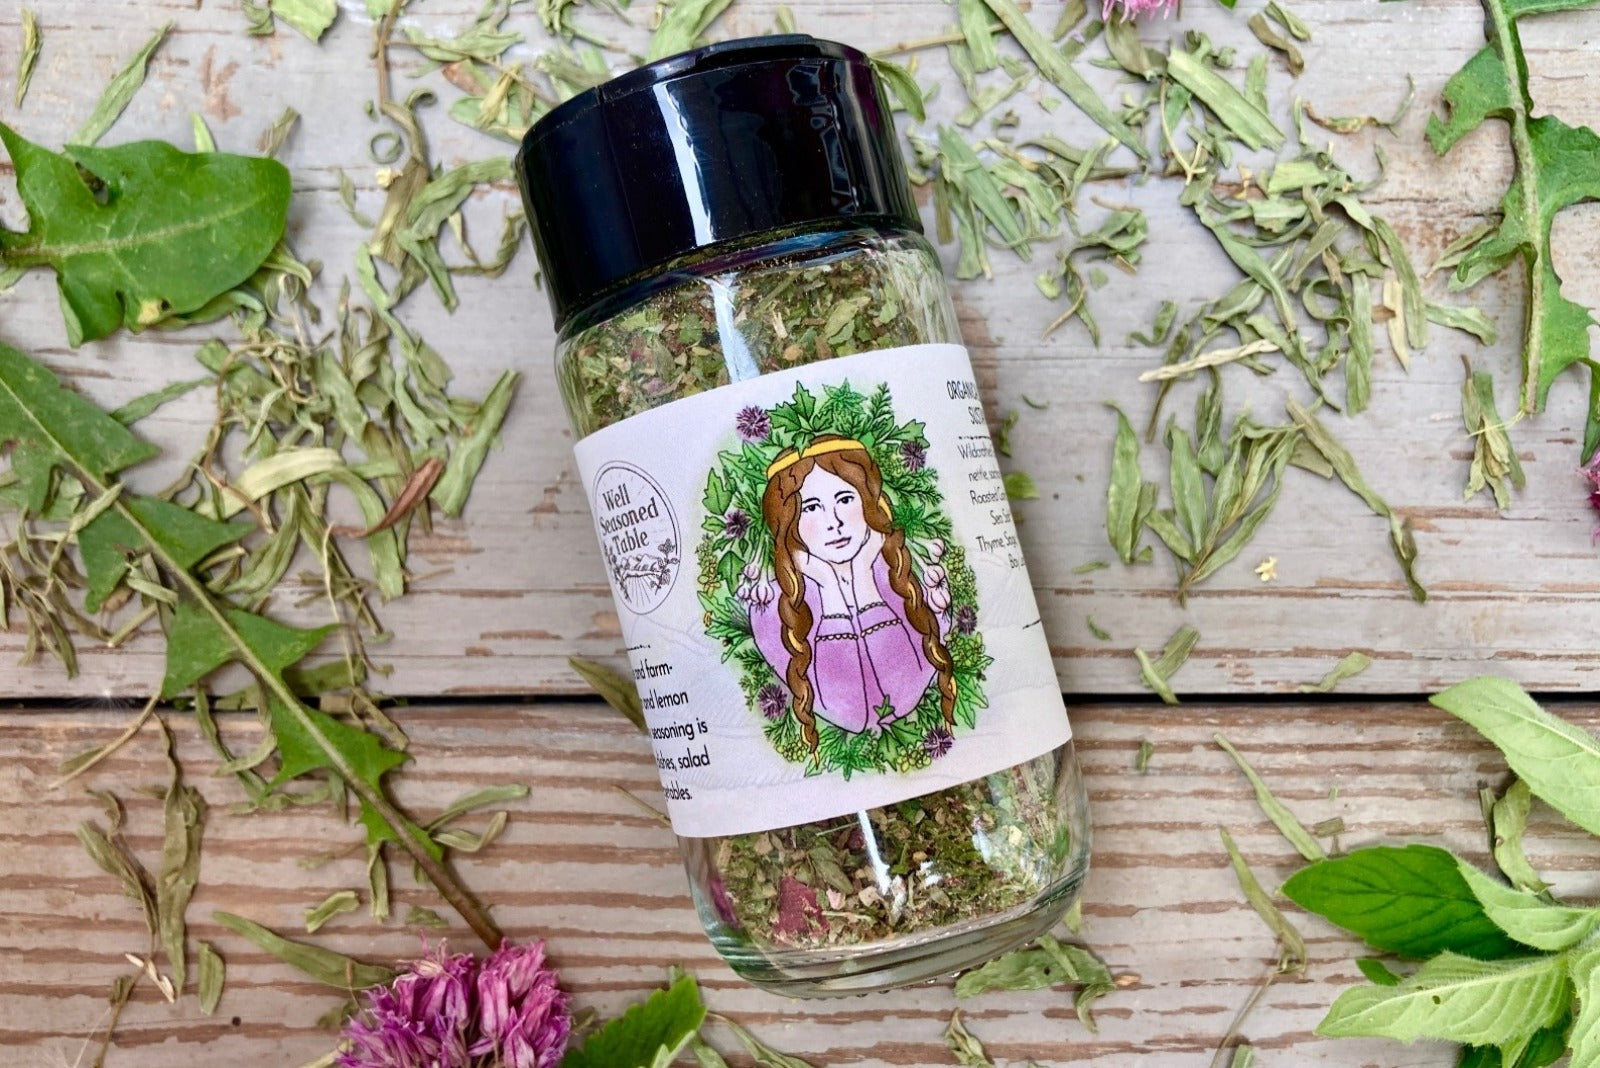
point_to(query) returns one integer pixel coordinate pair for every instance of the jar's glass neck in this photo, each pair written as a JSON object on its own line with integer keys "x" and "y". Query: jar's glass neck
{"x": 724, "y": 266}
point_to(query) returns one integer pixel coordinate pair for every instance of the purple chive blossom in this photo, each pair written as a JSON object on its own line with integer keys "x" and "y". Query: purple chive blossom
{"x": 937, "y": 743}
{"x": 914, "y": 456}
{"x": 449, "y": 1011}
{"x": 735, "y": 523}
{"x": 773, "y": 701}
{"x": 752, "y": 424}
{"x": 1591, "y": 472}
{"x": 1132, "y": 9}
{"x": 966, "y": 619}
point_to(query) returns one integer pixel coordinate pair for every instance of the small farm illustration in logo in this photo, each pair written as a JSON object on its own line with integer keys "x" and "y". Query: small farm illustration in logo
{"x": 638, "y": 534}
{"x": 832, "y": 578}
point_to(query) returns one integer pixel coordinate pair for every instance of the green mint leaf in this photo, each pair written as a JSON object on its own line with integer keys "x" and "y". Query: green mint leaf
{"x": 325, "y": 966}
{"x": 1529, "y": 918}
{"x": 161, "y": 232}
{"x": 1559, "y": 762}
{"x": 1556, "y": 166}
{"x": 1584, "y": 968}
{"x": 1377, "y": 972}
{"x": 649, "y": 1035}
{"x": 1457, "y": 999}
{"x": 1412, "y": 901}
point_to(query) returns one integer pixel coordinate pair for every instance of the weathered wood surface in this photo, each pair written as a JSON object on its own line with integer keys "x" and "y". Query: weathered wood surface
{"x": 581, "y": 866}
{"x": 521, "y": 586}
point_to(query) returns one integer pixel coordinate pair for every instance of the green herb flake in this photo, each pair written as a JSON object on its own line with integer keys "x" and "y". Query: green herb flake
{"x": 1099, "y": 632}
{"x": 1495, "y": 464}
{"x": 684, "y": 23}
{"x": 29, "y": 56}
{"x": 1292, "y": 945}
{"x": 184, "y": 812}
{"x": 963, "y": 1045}
{"x": 324, "y": 965}
{"x": 336, "y": 904}
{"x": 616, "y": 688}
{"x": 311, "y": 17}
{"x": 1286, "y": 822}
{"x": 1156, "y": 673}
{"x": 115, "y": 98}
{"x": 213, "y": 971}
{"x": 1141, "y": 760}
{"x": 1351, "y": 665}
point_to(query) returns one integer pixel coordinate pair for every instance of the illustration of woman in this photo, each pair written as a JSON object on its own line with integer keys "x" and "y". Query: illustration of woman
{"x": 846, "y": 624}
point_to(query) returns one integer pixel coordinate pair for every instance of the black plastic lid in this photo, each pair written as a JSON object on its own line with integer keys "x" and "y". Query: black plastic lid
{"x": 711, "y": 147}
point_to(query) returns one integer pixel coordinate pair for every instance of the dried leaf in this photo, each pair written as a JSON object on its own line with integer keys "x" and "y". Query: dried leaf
{"x": 902, "y": 86}
{"x": 325, "y": 966}
{"x": 1247, "y": 121}
{"x": 1292, "y": 945}
{"x": 1349, "y": 667}
{"x": 311, "y": 17}
{"x": 968, "y": 1051}
{"x": 617, "y": 689}
{"x": 184, "y": 813}
{"x": 410, "y": 497}
{"x": 684, "y": 23}
{"x": 466, "y": 459}
{"x": 336, "y": 904}
{"x": 213, "y": 971}
{"x": 426, "y": 918}
{"x": 1156, "y": 673}
{"x": 113, "y": 858}
{"x": 114, "y": 99}
{"x": 31, "y": 43}
{"x": 1289, "y": 826}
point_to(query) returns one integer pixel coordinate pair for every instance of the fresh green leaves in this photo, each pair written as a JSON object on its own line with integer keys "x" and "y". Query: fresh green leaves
{"x": 1457, "y": 999}
{"x": 1556, "y": 166}
{"x": 1559, "y": 762}
{"x": 1483, "y": 984}
{"x": 142, "y": 231}
{"x": 1412, "y": 901}
{"x": 649, "y": 1035}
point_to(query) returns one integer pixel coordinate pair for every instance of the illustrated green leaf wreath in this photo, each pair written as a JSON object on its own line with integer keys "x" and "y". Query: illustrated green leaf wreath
{"x": 826, "y": 550}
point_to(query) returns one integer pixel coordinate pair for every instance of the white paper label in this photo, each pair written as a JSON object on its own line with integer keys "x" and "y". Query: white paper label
{"x": 821, "y": 591}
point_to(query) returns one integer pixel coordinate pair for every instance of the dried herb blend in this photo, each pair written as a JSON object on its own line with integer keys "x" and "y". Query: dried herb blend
{"x": 836, "y": 648}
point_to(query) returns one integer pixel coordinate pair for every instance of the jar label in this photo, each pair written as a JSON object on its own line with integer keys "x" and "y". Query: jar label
{"x": 821, "y": 591}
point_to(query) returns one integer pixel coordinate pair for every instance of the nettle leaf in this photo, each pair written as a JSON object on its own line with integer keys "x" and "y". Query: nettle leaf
{"x": 39, "y": 419}
{"x": 1559, "y": 762}
{"x": 1457, "y": 999}
{"x": 1412, "y": 901}
{"x": 1529, "y": 918}
{"x": 1556, "y": 166}
{"x": 648, "y": 1035}
{"x": 142, "y": 231}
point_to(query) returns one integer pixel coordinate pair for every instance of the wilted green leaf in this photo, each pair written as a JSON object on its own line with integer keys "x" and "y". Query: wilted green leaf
{"x": 1286, "y": 822}
{"x": 325, "y": 966}
{"x": 118, "y": 92}
{"x": 213, "y": 971}
{"x": 1349, "y": 667}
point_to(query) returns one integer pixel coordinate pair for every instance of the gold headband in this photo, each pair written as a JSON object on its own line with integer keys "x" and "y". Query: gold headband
{"x": 783, "y": 463}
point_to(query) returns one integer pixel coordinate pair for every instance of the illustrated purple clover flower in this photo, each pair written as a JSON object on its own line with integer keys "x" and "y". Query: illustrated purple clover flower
{"x": 446, "y": 1009}
{"x": 735, "y": 523}
{"x": 753, "y": 424}
{"x": 937, "y": 742}
{"x": 1132, "y": 9}
{"x": 772, "y": 701}
{"x": 965, "y": 620}
{"x": 914, "y": 456}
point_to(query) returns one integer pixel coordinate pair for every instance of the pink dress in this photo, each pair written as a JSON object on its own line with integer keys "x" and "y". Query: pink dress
{"x": 859, "y": 660}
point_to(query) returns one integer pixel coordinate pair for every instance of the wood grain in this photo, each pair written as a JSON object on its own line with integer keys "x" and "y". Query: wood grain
{"x": 582, "y": 867}
{"x": 517, "y": 586}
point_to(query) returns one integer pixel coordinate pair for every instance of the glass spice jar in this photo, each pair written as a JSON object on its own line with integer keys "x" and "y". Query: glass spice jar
{"x": 859, "y": 729}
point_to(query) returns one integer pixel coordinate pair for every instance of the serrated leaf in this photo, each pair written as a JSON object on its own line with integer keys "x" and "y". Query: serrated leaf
{"x": 53, "y": 425}
{"x": 1529, "y": 918}
{"x": 649, "y": 1035}
{"x": 1559, "y": 762}
{"x": 1457, "y": 999}
{"x": 1556, "y": 166}
{"x": 325, "y": 966}
{"x": 198, "y": 644}
{"x": 110, "y": 540}
{"x": 1412, "y": 901}
{"x": 163, "y": 232}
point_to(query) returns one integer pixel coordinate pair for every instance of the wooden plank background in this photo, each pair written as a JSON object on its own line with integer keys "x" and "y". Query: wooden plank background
{"x": 517, "y": 587}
